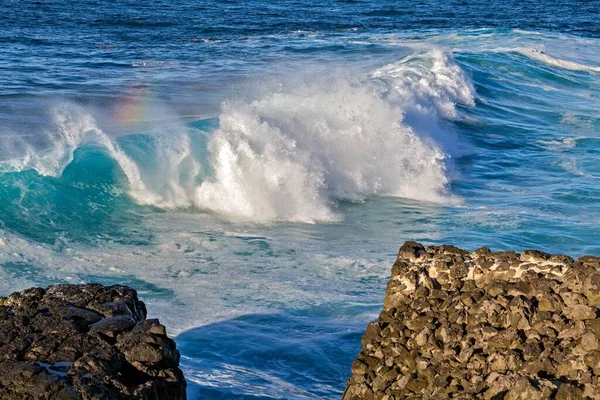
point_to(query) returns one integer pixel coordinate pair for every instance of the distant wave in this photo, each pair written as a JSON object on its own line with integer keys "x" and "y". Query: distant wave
{"x": 291, "y": 153}
{"x": 541, "y": 56}
{"x": 553, "y": 49}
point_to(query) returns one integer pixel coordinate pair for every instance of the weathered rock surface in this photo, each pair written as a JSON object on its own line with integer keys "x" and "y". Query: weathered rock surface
{"x": 84, "y": 342}
{"x": 483, "y": 325}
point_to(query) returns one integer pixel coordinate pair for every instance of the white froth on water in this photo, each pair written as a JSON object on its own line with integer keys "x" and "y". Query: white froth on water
{"x": 542, "y": 56}
{"x": 191, "y": 278}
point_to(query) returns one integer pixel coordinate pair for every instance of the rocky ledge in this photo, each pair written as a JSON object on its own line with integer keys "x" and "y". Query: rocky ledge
{"x": 84, "y": 342}
{"x": 465, "y": 325}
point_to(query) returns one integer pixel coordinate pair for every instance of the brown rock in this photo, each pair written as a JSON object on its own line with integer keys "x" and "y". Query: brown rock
{"x": 523, "y": 390}
{"x": 569, "y": 392}
{"x": 483, "y": 325}
{"x": 580, "y": 312}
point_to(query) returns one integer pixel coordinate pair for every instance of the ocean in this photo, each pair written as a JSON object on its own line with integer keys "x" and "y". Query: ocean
{"x": 252, "y": 168}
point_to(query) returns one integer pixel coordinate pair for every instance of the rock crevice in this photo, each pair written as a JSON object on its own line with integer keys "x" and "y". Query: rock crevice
{"x": 458, "y": 324}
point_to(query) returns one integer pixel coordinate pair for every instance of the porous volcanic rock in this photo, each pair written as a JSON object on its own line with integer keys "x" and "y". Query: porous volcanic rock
{"x": 483, "y": 325}
{"x": 84, "y": 342}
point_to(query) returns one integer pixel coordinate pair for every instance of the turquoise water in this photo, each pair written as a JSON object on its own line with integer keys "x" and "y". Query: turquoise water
{"x": 253, "y": 171}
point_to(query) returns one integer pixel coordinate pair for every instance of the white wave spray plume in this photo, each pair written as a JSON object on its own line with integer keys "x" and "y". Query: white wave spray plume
{"x": 290, "y": 155}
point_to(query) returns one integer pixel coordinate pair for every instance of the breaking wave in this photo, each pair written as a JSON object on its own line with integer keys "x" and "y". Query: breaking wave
{"x": 290, "y": 153}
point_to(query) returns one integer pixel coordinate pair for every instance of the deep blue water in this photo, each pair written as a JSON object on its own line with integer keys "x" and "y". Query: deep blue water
{"x": 252, "y": 167}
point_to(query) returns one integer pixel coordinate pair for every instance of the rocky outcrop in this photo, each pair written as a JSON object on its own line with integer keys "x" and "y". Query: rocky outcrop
{"x": 465, "y": 325}
{"x": 84, "y": 342}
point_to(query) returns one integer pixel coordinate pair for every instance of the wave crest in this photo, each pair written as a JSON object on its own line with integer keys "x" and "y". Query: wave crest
{"x": 429, "y": 81}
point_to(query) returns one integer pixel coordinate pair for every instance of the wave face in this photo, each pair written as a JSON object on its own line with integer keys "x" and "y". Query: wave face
{"x": 290, "y": 154}
{"x": 71, "y": 126}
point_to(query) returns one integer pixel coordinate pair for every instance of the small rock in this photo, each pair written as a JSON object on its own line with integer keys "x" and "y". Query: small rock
{"x": 579, "y": 312}
{"x": 150, "y": 326}
{"x": 114, "y": 325}
{"x": 567, "y": 391}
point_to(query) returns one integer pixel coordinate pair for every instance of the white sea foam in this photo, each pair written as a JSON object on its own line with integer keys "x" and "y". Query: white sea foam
{"x": 560, "y": 144}
{"x": 572, "y": 166}
{"x": 208, "y": 275}
{"x": 580, "y": 122}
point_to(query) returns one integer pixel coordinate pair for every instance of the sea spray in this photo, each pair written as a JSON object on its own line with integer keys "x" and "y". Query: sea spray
{"x": 291, "y": 154}
{"x": 429, "y": 81}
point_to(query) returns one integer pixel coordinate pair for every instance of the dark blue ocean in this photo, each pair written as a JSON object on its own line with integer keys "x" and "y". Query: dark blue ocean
{"x": 252, "y": 167}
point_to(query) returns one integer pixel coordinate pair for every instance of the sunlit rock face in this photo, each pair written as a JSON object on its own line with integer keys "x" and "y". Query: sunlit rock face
{"x": 458, "y": 324}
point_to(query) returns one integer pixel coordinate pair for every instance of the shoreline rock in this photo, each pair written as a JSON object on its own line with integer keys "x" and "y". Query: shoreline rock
{"x": 85, "y": 342}
{"x": 458, "y": 324}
